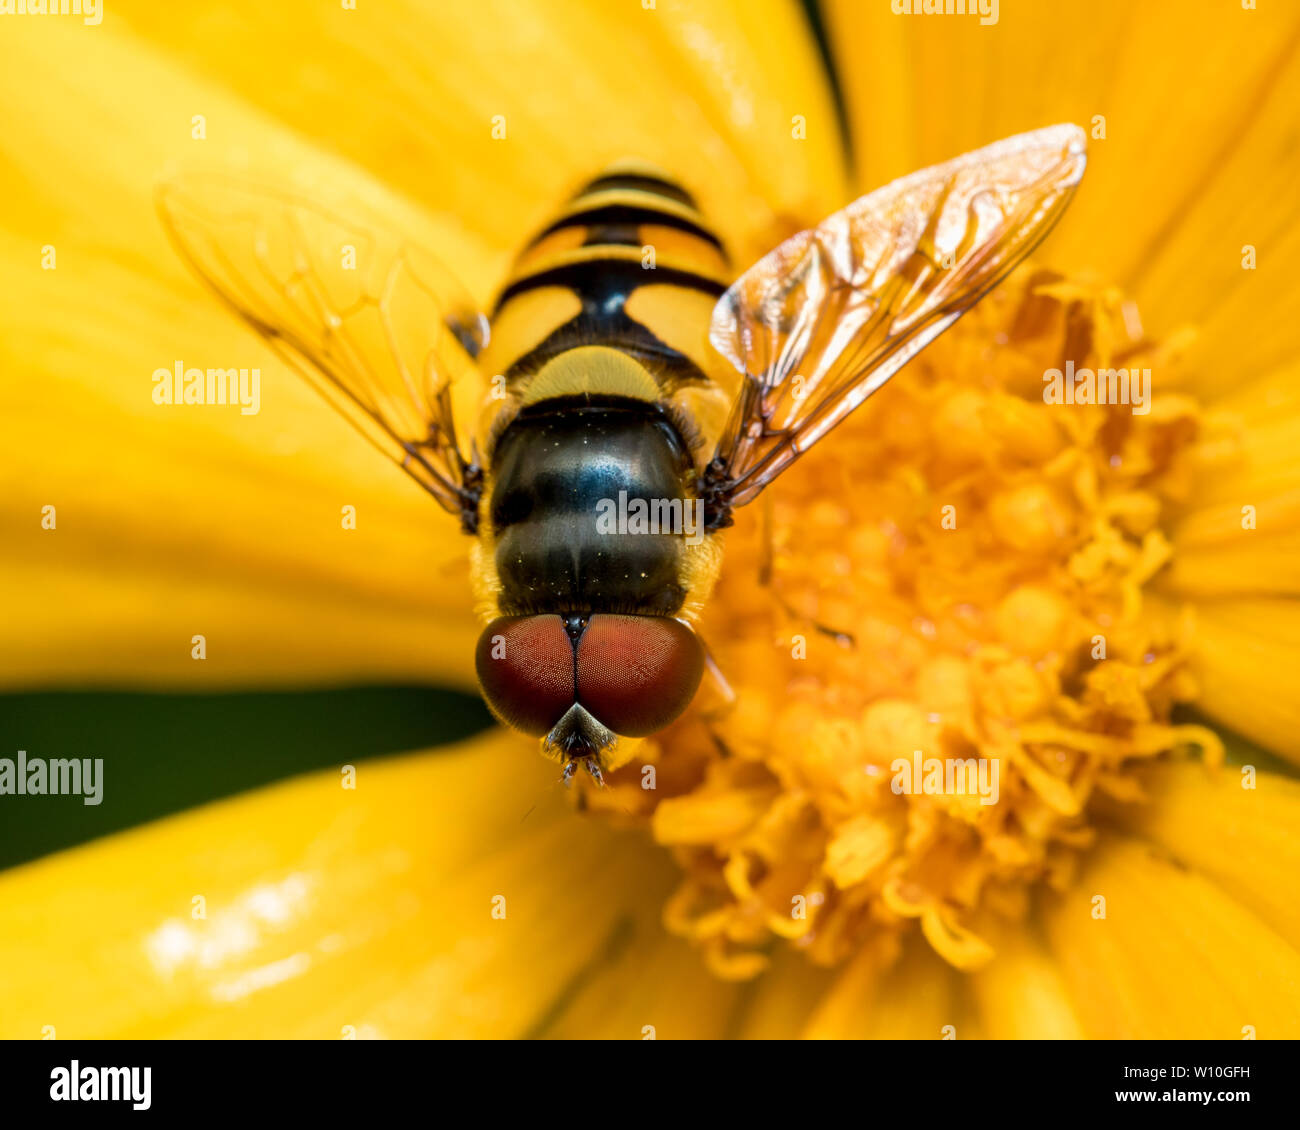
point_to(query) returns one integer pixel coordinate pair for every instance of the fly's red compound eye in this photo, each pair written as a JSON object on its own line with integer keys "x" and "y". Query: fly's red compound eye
{"x": 637, "y": 673}
{"x": 525, "y": 667}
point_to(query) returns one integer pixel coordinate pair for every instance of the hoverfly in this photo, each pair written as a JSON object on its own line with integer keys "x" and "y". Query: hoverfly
{"x": 602, "y": 380}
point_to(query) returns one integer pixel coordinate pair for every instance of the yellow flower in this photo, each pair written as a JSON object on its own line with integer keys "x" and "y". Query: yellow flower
{"x": 963, "y": 569}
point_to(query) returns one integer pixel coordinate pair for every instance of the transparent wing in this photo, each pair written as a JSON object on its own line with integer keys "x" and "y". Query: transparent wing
{"x": 819, "y": 324}
{"x": 370, "y": 320}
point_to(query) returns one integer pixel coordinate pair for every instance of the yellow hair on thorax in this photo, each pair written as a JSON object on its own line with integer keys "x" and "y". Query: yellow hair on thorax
{"x": 591, "y": 370}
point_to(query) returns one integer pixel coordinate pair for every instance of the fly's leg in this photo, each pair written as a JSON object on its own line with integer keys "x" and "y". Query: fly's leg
{"x": 725, "y": 690}
{"x": 589, "y": 764}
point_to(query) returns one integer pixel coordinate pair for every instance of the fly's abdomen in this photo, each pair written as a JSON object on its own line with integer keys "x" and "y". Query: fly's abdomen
{"x": 561, "y": 471}
{"x": 629, "y": 263}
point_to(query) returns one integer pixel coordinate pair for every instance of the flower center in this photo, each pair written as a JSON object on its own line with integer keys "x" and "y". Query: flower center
{"x": 935, "y": 634}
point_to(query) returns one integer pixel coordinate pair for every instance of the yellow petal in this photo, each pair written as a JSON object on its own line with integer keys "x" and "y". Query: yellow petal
{"x": 646, "y": 985}
{"x": 171, "y": 522}
{"x": 914, "y": 999}
{"x": 1020, "y": 994}
{"x": 1242, "y": 200}
{"x": 1176, "y": 956}
{"x": 1241, "y": 532}
{"x": 1244, "y": 838}
{"x": 448, "y": 894}
{"x": 1244, "y": 655}
{"x": 1234, "y": 562}
{"x": 779, "y": 1003}
{"x": 412, "y": 92}
{"x": 1159, "y": 153}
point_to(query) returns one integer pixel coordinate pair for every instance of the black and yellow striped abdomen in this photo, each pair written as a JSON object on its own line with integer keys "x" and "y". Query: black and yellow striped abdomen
{"x": 630, "y": 264}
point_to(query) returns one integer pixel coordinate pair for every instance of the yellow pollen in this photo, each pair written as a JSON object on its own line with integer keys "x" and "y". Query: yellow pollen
{"x": 936, "y": 634}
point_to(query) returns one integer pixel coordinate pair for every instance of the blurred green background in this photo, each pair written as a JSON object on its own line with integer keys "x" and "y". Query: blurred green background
{"x": 167, "y": 752}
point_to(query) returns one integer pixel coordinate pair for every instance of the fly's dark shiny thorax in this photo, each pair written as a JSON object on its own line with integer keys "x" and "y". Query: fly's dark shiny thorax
{"x": 553, "y": 470}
